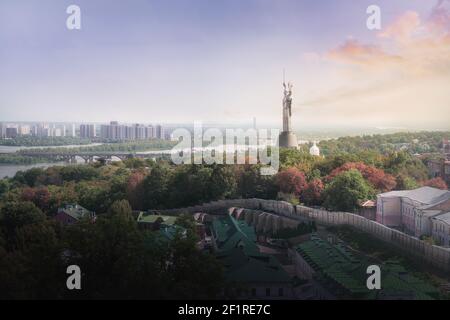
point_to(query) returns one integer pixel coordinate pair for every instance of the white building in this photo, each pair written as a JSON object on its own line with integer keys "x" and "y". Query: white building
{"x": 412, "y": 211}
{"x": 314, "y": 150}
{"x": 441, "y": 229}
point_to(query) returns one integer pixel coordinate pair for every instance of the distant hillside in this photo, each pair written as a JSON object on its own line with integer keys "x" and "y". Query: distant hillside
{"x": 413, "y": 142}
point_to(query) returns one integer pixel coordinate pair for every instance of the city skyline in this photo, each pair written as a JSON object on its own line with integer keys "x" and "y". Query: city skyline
{"x": 176, "y": 62}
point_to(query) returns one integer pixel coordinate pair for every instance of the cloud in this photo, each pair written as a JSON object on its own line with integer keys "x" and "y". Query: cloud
{"x": 439, "y": 19}
{"x": 403, "y": 73}
{"x": 403, "y": 28}
{"x": 352, "y": 51}
{"x": 415, "y": 47}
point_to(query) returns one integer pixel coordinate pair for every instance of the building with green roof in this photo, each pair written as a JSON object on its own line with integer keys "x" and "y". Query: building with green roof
{"x": 250, "y": 273}
{"x": 334, "y": 268}
{"x": 154, "y": 221}
{"x": 71, "y": 213}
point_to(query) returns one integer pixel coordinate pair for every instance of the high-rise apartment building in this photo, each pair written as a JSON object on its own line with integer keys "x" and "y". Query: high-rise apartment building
{"x": 12, "y": 132}
{"x": 130, "y": 133}
{"x": 139, "y": 132}
{"x": 71, "y": 131}
{"x": 2, "y": 130}
{"x": 116, "y": 131}
{"x": 159, "y": 132}
{"x": 87, "y": 131}
{"x": 149, "y": 132}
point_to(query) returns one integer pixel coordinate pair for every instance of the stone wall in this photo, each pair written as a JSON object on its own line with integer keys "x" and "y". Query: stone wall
{"x": 267, "y": 211}
{"x": 264, "y": 222}
{"x": 435, "y": 255}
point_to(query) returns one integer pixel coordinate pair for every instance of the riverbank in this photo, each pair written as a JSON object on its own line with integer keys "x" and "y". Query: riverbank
{"x": 31, "y": 141}
{"x": 10, "y": 170}
{"x": 12, "y": 162}
{"x": 13, "y": 159}
{"x": 14, "y": 149}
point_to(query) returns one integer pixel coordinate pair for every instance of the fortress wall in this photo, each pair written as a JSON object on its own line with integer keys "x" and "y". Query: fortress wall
{"x": 265, "y": 214}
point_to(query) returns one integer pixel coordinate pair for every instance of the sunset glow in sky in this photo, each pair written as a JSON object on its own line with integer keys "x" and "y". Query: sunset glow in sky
{"x": 223, "y": 60}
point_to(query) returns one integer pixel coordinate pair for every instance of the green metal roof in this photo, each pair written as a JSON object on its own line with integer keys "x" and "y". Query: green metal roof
{"x": 231, "y": 233}
{"x": 152, "y": 218}
{"x": 240, "y": 255}
{"x": 337, "y": 267}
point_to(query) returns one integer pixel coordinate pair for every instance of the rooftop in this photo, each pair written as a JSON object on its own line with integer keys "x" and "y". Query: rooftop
{"x": 424, "y": 195}
{"x": 76, "y": 211}
{"x": 242, "y": 267}
{"x": 240, "y": 255}
{"x": 445, "y": 217}
{"x": 337, "y": 268}
{"x": 231, "y": 233}
{"x": 431, "y": 213}
{"x": 367, "y": 204}
{"x": 152, "y": 218}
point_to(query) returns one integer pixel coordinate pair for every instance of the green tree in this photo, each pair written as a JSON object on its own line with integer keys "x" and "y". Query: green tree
{"x": 346, "y": 190}
{"x": 78, "y": 173}
{"x": 251, "y": 184}
{"x": 4, "y": 186}
{"x": 155, "y": 187}
{"x": 114, "y": 260}
{"x": 31, "y": 176}
{"x": 15, "y": 215}
{"x": 121, "y": 208}
{"x": 406, "y": 183}
{"x": 222, "y": 183}
{"x": 403, "y": 163}
{"x": 41, "y": 247}
{"x": 191, "y": 184}
{"x": 94, "y": 196}
{"x": 192, "y": 273}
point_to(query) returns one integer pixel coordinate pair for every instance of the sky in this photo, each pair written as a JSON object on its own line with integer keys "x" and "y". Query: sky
{"x": 222, "y": 61}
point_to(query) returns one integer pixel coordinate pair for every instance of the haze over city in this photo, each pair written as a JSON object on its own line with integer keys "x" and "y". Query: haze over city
{"x": 150, "y": 61}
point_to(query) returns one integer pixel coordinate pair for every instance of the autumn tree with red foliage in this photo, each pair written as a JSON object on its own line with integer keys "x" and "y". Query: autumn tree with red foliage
{"x": 291, "y": 181}
{"x": 312, "y": 195}
{"x": 436, "y": 183}
{"x": 376, "y": 177}
{"x": 39, "y": 196}
{"x": 28, "y": 194}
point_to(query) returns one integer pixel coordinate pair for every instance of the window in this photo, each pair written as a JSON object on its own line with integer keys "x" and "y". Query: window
{"x": 280, "y": 292}
{"x": 253, "y": 292}
{"x": 267, "y": 292}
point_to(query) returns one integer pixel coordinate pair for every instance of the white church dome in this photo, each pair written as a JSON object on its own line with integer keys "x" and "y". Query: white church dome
{"x": 314, "y": 150}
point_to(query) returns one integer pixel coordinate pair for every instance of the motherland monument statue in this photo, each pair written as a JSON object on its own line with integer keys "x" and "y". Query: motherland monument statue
{"x": 288, "y": 139}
